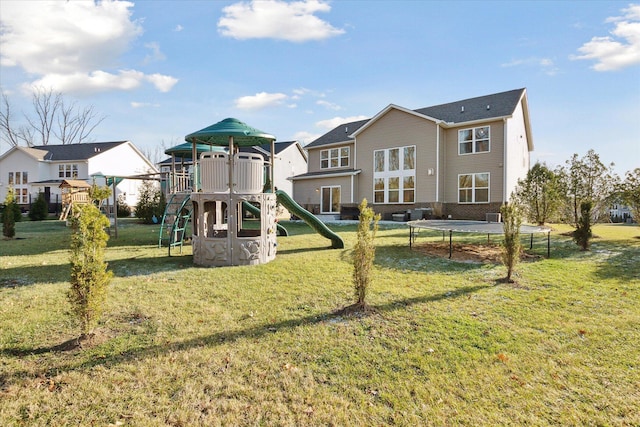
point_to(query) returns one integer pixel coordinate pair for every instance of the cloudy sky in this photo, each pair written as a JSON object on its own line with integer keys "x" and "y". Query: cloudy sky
{"x": 161, "y": 70}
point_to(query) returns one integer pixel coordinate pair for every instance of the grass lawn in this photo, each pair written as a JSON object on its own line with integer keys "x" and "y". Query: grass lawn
{"x": 447, "y": 342}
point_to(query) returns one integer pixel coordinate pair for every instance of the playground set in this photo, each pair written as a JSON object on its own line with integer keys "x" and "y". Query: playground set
{"x": 224, "y": 198}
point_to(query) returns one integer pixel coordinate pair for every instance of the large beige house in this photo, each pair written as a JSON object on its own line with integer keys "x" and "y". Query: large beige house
{"x": 460, "y": 160}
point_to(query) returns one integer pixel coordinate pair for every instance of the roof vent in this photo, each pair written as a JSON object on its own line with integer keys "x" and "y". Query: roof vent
{"x": 488, "y": 107}
{"x": 346, "y": 129}
{"x": 462, "y": 109}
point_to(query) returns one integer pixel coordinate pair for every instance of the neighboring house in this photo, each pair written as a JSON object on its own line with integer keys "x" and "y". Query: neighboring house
{"x": 290, "y": 159}
{"x": 462, "y": 159}
{"x": 31, "y": 170}
{"x": 620, "y": 213}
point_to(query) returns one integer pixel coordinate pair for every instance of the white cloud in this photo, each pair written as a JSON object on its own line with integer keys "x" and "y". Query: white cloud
{"x": 178, "y": 28}
{"x": 621, "y": 49}
{"x": 135, "y": 104}
{"x": 337, "y": 121}
{"x": 292, "y": 21}
{"x": 161, "y": 82}
{"x": 155, "y": 55}
{"x": 68, "y": 46}
{"x": 260, "y": 100}
{"x": 306, "y": 137}
{"x": 100, "y": 81}
{"x": 546, "y": 65}
{"x": 329, "y": 105}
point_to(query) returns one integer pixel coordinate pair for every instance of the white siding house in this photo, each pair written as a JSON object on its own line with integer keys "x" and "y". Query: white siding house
{"x": 31, "y": 170}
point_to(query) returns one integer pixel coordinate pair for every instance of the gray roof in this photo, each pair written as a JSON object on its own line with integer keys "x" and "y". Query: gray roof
{"x": 480, "y": 108}
{"x": 338, "y": 134}
{"x": 82, "y": 151}
{"x": 472, "y": 109}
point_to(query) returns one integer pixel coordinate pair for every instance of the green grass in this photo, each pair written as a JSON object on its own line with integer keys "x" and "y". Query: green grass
{"x": 447, "y": 344}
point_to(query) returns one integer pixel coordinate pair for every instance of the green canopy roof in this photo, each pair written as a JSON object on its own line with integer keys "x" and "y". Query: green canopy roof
{"x": 185, "y": 150}
{"x": 219, "y": 133}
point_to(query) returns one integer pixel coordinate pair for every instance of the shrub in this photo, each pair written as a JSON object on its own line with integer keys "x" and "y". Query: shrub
{"x": 89, "y": 275}
{"x": 149, "y": 203}
{"x": 364, "y": 253}
{"x": 511, "y": 249}
{"x": 10, "y": 215}
{"x": 39, "y": 209}
{"x": 582, "y": 236}
{"x": 123, "y": 209}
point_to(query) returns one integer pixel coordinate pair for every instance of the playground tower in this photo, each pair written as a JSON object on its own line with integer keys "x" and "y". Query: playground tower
{"x": 234, "y": 218}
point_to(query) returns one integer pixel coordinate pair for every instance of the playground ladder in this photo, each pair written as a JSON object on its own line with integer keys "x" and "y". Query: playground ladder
{"x": 175, "y": 219}
{"x": 66, "y": 211}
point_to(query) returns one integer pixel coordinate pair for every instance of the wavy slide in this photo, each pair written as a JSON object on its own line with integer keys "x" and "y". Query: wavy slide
{"x": 312, "y": 221}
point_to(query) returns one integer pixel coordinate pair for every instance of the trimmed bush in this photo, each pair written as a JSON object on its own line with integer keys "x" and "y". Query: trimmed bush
{"x": 39, "y": 209}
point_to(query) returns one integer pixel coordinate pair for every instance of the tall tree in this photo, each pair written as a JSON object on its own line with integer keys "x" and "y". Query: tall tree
{"x": 539, "y": 194}
{"x": 52, "y": 118}
{"x": 587, "y": 179}
{"x": 630, "y": 193}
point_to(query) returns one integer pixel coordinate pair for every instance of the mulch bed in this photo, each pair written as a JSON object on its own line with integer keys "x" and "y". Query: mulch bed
{"x": 478, "y": 253}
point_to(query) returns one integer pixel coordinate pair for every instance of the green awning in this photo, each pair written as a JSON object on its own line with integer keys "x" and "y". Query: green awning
{"x": 185, "y": 150}
{"x": 110, "y": 179}
{"x": 219, "y": 133}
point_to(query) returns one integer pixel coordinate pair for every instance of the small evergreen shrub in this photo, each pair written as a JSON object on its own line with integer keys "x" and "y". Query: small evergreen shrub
{"x": 150, "y": 203}
{"x": 10, "y": 215}
{"x": 364, "y": 253}
{"x": 512, "y": 247}
{"x": 39, "y": 209}
{"x": 89, "y": 275}
{"x": 124, "y": 210}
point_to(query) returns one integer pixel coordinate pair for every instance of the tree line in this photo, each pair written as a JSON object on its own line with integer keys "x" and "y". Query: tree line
{"x": 580, "y": 192}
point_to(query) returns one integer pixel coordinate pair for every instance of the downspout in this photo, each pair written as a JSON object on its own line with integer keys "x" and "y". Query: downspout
{"x": 438, "y": 163}
{"x": 504, "y": 163}
{"x": 355, "y": 166}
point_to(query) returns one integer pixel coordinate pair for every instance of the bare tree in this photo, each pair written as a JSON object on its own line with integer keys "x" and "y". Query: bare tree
{"x": 7, "y": 133}
{"x": 46, "y": 105}
{"x": 75, "y": 126}
{"x": 52, "y": 118}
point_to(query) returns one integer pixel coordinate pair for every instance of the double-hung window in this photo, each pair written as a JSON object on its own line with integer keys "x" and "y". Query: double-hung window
{"x": 334, "y": 158}
{"x": 394, "y": 174}
{"x": 473, "y": 188}
{"x": 474, "y": 140}
{"x": 67, "y": 171}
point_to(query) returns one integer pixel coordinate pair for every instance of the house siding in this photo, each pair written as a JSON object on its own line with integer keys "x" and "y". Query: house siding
{"x": 305, "y": 194}
{"x": 399, "y": 129}
{"x": 314, "y": 157}
{"x": 456, "y": 164}
{"x": 517, "y": 151}
{"x": 434, "y": 133}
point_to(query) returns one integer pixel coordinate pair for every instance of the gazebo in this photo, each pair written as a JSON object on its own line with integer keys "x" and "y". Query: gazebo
{"x": 228, "y": 191}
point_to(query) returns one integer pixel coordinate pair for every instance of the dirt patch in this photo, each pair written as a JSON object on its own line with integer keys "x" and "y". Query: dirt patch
{"x": 479, "y": 253}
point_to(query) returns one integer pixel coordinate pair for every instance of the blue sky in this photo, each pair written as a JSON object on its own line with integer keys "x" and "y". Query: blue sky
{"x": 159, "y": 70}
